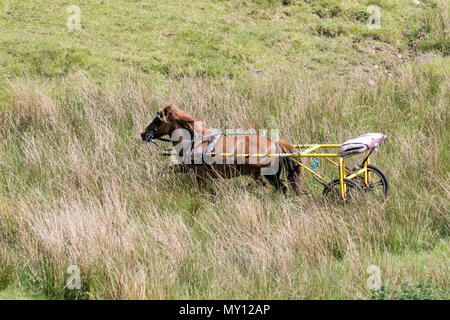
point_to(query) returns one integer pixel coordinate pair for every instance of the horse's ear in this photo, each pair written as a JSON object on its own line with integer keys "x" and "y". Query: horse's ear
{"x": 168, "y": 114}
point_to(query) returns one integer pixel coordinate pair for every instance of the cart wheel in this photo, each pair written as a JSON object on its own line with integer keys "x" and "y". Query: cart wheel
{"x": 332, "y": 191}
{"x": 378, "y": 184}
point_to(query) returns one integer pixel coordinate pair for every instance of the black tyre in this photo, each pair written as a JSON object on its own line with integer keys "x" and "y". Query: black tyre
{"x": 378, "y": 187}
{"x": 332, "y": 191}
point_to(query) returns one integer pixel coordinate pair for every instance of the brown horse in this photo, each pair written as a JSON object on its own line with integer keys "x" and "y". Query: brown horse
{"x": 195, "y": 144}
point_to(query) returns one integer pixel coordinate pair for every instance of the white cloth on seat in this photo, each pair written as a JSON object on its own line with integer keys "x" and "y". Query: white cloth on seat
{"x": 361, "y": 143}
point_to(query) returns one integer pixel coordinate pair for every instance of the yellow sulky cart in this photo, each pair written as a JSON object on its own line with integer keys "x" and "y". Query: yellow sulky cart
{"x": 352, "y": 183}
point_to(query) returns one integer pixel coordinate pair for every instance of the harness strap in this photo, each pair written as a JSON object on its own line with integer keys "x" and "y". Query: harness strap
{"x": 164, "y": 139}
{"x": 211, "y": 138}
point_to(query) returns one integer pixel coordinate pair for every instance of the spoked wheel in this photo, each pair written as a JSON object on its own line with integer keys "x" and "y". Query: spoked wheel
{"x": 378, "y": 186}
{"x": 332, "y": 191}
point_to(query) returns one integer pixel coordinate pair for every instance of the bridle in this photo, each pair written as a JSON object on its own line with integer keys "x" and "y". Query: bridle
{"x": 156, "y": 123}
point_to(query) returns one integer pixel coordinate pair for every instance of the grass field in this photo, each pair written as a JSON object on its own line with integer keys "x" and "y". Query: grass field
{"x": 78, "y": 187}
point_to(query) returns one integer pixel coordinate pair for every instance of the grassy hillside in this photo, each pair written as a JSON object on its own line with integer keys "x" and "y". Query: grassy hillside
{"x": 214, "y": 38}
{"x": 77, "y": 186}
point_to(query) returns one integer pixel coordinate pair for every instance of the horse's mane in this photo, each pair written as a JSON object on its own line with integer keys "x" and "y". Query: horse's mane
{"x": 186, "y": 120}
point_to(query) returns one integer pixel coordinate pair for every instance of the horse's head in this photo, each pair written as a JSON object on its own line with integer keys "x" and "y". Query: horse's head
{"x": 169, "y": 119}
{"x": 160, "y": 126}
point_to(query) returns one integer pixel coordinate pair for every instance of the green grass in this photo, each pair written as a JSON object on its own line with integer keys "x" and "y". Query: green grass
{"x": 214, "y": 38}
{"x": 417, "y": 289}
{"x": 77, "y": 186}
{"x": 13, "y": 293}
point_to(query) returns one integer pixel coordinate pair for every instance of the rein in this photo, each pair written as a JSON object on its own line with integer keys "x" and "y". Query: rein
{"x": 164, "y": 139}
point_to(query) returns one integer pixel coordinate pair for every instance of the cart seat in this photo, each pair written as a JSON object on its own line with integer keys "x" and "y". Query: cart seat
{"x": 361, "y": 143}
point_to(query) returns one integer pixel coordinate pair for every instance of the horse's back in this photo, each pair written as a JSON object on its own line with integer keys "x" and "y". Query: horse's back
{"x": 247, "y": 145}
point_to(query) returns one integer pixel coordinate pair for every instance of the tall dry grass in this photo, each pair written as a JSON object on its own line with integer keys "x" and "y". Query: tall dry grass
{"x": 77, "y": 186}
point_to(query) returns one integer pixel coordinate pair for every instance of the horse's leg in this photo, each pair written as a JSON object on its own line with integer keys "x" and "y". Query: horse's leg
{"x": 202, "y": 176}
{"x": 197, "y": 174}
{"x": 260, "y": 182}
{"x": 171, "y": 170}
{"x": 276, "y": 182}
{"x": 176, "y": 168}
{"x": 294, "y": 180}
{"x": 201, "y": 181}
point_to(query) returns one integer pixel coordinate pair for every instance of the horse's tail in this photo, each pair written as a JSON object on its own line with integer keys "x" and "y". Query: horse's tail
{"x": 293, "y": 169}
